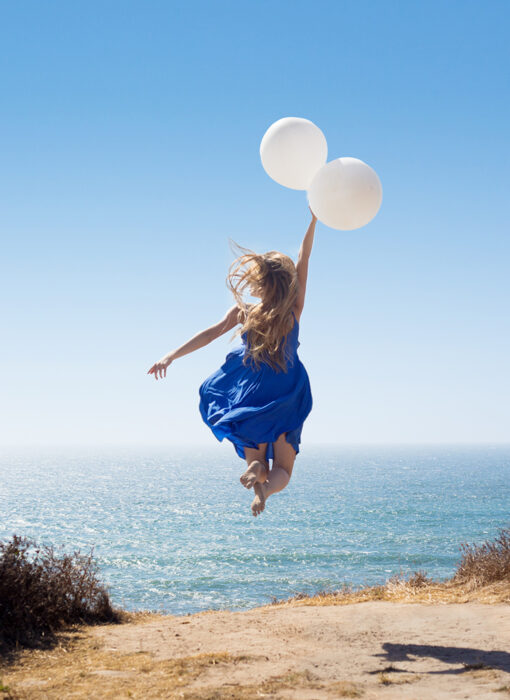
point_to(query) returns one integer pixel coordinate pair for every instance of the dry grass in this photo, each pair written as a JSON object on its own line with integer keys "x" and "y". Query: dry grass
{"x": 485, "y": 563}
{"x": 402, "y": 590}
{"x": 274, "y": 686}
{"x": 401, "y": 679}
{"x": 80, "y": 663}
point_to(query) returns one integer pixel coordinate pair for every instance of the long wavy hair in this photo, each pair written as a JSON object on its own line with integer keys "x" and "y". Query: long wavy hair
{"x": 272, "y": 276}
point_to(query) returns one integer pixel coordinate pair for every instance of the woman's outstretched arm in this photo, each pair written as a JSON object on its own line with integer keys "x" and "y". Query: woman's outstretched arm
{"x": 302, "y": 264}
{"x": 205, "y": 337}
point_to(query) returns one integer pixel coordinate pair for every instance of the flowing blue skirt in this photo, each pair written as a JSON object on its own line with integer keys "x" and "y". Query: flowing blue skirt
{"x": 251, "y": 407}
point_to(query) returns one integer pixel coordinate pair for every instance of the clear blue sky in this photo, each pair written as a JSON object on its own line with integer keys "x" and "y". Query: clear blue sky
{"x": 129, "y": 153}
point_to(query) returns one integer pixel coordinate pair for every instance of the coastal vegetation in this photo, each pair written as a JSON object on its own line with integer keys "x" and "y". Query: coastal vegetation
{"x": 42, "y": 591}
{"x": 52, "y": 603}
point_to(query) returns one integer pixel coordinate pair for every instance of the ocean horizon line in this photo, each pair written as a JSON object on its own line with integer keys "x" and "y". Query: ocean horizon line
{"x": 221, "y": 448}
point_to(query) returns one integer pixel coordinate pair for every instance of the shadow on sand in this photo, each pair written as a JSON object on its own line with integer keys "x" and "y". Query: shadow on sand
{"x": 470, "y": 659}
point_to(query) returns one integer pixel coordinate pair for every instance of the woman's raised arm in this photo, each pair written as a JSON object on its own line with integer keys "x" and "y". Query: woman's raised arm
{"x": 302, "y": 264}
{"x": 205, "y": 337}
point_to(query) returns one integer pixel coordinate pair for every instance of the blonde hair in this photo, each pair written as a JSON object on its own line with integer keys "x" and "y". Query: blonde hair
{"x": 273, "y": 277}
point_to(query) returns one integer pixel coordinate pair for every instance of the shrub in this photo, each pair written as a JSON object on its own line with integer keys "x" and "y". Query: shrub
{"x": 41, "y": 592}
{"x": 419, "y": 579}
{"x": 485, "y": 563}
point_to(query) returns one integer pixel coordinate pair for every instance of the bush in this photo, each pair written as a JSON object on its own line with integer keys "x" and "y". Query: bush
{"x": 419, "y": 579}
{"x": 485, "y": 563}
{"x": 41, "y": 592}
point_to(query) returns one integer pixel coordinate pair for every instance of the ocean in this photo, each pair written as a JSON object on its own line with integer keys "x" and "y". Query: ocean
{"x": 172, "y": 530}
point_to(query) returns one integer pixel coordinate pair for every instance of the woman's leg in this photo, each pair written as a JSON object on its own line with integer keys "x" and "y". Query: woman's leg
{"x": 279, "y": 476}
{"x": 258, "y": 466}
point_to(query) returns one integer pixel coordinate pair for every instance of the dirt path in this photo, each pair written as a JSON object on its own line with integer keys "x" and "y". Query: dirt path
{"x": 370, "y": 650}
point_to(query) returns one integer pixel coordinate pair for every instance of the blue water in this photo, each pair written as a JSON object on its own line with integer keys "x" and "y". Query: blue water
{"x": 173, "y": 531}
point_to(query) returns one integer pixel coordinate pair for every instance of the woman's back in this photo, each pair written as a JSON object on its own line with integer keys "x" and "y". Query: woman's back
{"x": 290, "y": 346}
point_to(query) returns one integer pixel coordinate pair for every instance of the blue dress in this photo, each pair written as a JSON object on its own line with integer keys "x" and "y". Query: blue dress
{"x": 249, "y": 406}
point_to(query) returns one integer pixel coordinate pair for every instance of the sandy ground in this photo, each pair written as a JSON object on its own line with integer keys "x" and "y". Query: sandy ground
{"x": 369, "y": 650}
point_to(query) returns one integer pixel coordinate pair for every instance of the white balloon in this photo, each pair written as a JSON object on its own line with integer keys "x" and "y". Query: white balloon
{"x": 292, "y": 150}
{"x": 345, "y": 194}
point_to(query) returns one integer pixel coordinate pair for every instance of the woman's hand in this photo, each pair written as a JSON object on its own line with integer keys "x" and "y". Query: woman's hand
{"x": 160, "y": 367}
{"x": 314, "y": 218}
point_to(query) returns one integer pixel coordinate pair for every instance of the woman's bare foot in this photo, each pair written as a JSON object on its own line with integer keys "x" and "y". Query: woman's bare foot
{"x": 256, "y": 473}
{"x": 259, "y": 502}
